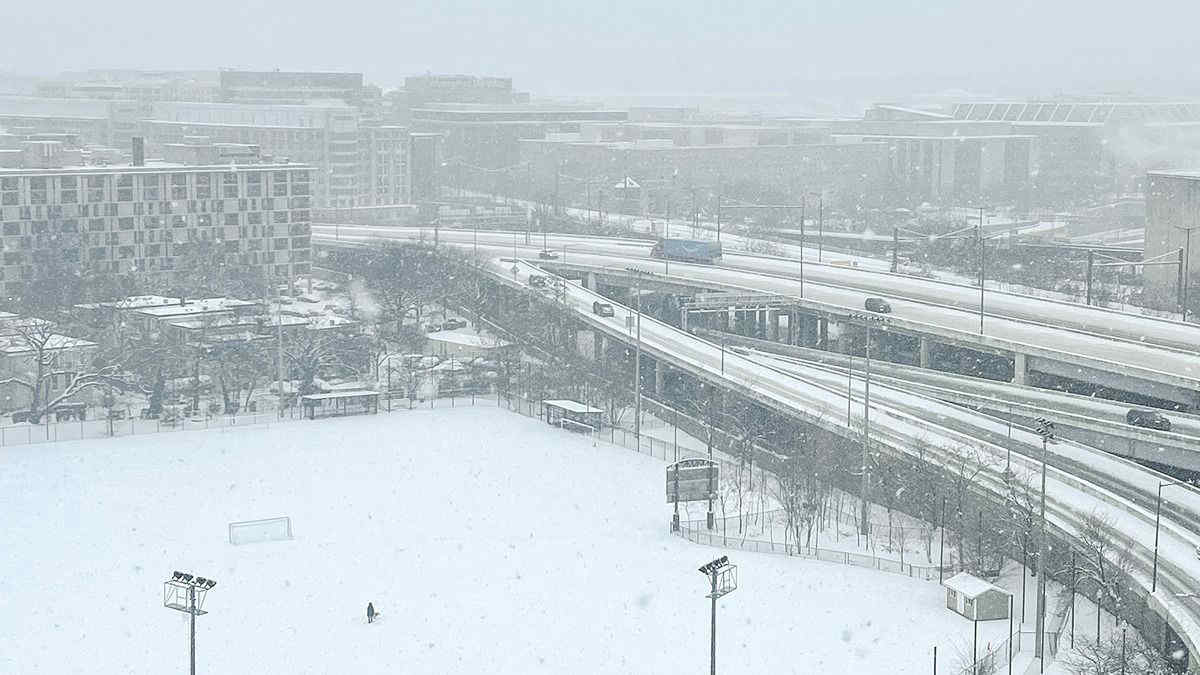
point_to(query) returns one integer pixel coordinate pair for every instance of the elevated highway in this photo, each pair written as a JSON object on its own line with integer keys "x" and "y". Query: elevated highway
{"x": 1056, "y": 342}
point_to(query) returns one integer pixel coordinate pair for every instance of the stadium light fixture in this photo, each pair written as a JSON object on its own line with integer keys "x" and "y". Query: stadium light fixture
{"x": 186, "y": 593}
{"x": 723, "y": 577}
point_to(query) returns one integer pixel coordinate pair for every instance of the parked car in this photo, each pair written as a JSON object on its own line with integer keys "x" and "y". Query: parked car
{"x": 451, "y": 324}
{"x": 548, "y": 255}
{"x": 537, "y": 281}
{"x": 602, "y": 308}
{"x": 433, "y": 327}
{"x": 878, "y": 305}
{"x": 1150, "y": 419}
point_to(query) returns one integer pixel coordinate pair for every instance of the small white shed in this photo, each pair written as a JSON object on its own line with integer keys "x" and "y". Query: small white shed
{"x": 976, "y": 598}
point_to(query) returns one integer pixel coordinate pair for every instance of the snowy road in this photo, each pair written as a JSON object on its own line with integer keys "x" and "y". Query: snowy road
{"x": 1151, "y": 361}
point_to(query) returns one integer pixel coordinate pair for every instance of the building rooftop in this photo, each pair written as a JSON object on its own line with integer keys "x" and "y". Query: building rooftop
{"x": 1192, "y": 175}
{"x": 194, "y": 307}
{"x": 154, "y": 167}
{"x": 970, "y": 585}
{"x": 13, "y": 345}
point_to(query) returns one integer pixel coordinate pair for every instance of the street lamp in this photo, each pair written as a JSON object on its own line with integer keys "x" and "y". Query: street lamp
{"x": 637, "y": 364}
{"x": 723, "y": 577}
{"x": 1185, "y": 269}
{"x": 868, "y": 320}
{"x": 1045, "y": 429}
{"x": 186, "y": 593}
{"x": 1157, "y": 518}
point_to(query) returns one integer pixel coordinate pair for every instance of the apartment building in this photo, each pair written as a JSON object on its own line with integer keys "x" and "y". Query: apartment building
{"x": 152, "y": 220}
{"x": 355, "y": 163}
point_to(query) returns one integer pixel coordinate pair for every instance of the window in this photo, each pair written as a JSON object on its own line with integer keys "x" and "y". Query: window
{"x": 203, "y": 186}
{"x": 231, "y": 220}
{"x": 12, "y": 229}
{"x": 279, "y": 189}
{"x": 69, "y": 226}
{"x": 281, "y": 244}
{"x": 96, "y": 225}
{"x": 125, "y": 223}
{"x": 153, "y": 250}
{"x": 70, "y": 254}
{"x": 151, "y": 222}
{"x": 279, "y": 216}
{"x": 68, "y": 197}
{"x": 125, "y": 252}
{"x": 13, "y": 258}
{"x": 178, "y": 221}
{"x": 151, "y": 190}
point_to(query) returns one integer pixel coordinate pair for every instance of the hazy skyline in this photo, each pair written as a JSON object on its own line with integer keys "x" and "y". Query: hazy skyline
{"x": 623, "y": 48}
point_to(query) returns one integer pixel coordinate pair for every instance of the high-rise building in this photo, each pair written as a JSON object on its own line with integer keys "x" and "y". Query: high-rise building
{"x": 323, "y": 136}
{"x": 150, "y": 220}
{"x": 239, "y": 86}
{"x": 1172, "y": 234}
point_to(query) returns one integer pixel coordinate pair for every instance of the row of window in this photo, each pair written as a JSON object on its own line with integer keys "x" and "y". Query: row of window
{"x": 150, "y": 187}
{"x": 160, "y": 265}
{"x": 299, "y": 221}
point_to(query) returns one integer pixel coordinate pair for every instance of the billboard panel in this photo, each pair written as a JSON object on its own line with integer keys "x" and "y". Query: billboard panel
{"x": 692, "y": 480}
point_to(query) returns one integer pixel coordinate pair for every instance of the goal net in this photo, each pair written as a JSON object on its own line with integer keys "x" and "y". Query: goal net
{"x": 267, "y": 529}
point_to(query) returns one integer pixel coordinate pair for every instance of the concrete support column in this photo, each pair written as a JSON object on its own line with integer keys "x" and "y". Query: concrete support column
{"x": 923, "y": 358}
{"x": 773, "y": 325}
{"x": 761, "y": 319}
{"x": 731, "y": 320}
{"x": 791, "y": 329}
{"x": 845, "y": 339}
{"x": 660, "y": 372}
{"x": 822, "y": 333}
{"x": 1020, "y": 369}
{"x": 599, "y": 346}
{"x": 683, "y": 319}
{"x": 589, "y": 281}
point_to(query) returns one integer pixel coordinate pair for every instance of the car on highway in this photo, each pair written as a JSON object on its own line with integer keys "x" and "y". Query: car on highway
{"x": 548, "y": 255}
{"x": 602, "y": 308}
{"x": 1150, "y": 419}
{"x": 451, "y": 324}
{"x": 537, "y": 281}
{"x": 878, "y": 305}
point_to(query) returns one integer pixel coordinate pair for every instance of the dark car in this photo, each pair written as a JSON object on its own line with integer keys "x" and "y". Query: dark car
{"x": 548, "y": 255}
{"x": 451, "y": 324}
{"x": 878, "y": 305}
{"x": 537, "y": 281}
{"x": 602, "y": 308}
{"x": 1150, "y": 419}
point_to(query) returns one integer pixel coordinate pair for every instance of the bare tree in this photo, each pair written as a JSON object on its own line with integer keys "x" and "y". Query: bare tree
{"x": 46, "y": 357}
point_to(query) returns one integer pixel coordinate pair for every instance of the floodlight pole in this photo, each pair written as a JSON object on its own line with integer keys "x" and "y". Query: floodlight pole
{"x": 192, "y": 613}
{"x": 712, "y": 660}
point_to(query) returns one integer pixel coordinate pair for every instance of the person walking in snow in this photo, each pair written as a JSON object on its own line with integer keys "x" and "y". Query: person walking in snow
{"x": 370, "y": 613}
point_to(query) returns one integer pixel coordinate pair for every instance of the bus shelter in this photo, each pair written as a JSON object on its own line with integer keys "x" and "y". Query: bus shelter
{"x": 338, "y": 403}
{"x": 573, "y": 415}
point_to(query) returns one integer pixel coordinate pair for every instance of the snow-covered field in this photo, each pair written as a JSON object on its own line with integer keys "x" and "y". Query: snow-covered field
{"x": 491, "y": 543}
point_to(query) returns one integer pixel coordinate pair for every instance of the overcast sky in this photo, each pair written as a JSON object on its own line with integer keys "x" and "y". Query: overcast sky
{"x": 620, "y": 46}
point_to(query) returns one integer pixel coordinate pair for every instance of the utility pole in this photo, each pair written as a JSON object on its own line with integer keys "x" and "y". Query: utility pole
{"x": 1091, "y": 260}
{"x": 865, "y": 527}
{"x": 557, "y": 177}
{"x": 803, "y": 211}
{"x": 982, "y": 264}
{"x": 820, "y": 227}
{"x": 718, "y": 210}
{"x": 1046, "y": 431}
{"x": 895, "y": 248}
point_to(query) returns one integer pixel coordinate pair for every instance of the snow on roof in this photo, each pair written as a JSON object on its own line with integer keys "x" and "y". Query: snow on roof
{"x": 971, "y": 585}
{"x": 572, "y": 406}
{"x": 351, "y": 393}
{"x": 195, "y": 307}
{"x": 13, "y": 345}
{"x": 466, "y": 339}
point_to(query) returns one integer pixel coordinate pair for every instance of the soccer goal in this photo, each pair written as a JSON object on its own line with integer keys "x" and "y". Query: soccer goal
{"x": 579, "y": 428}
{"x": 254, "y": 531}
